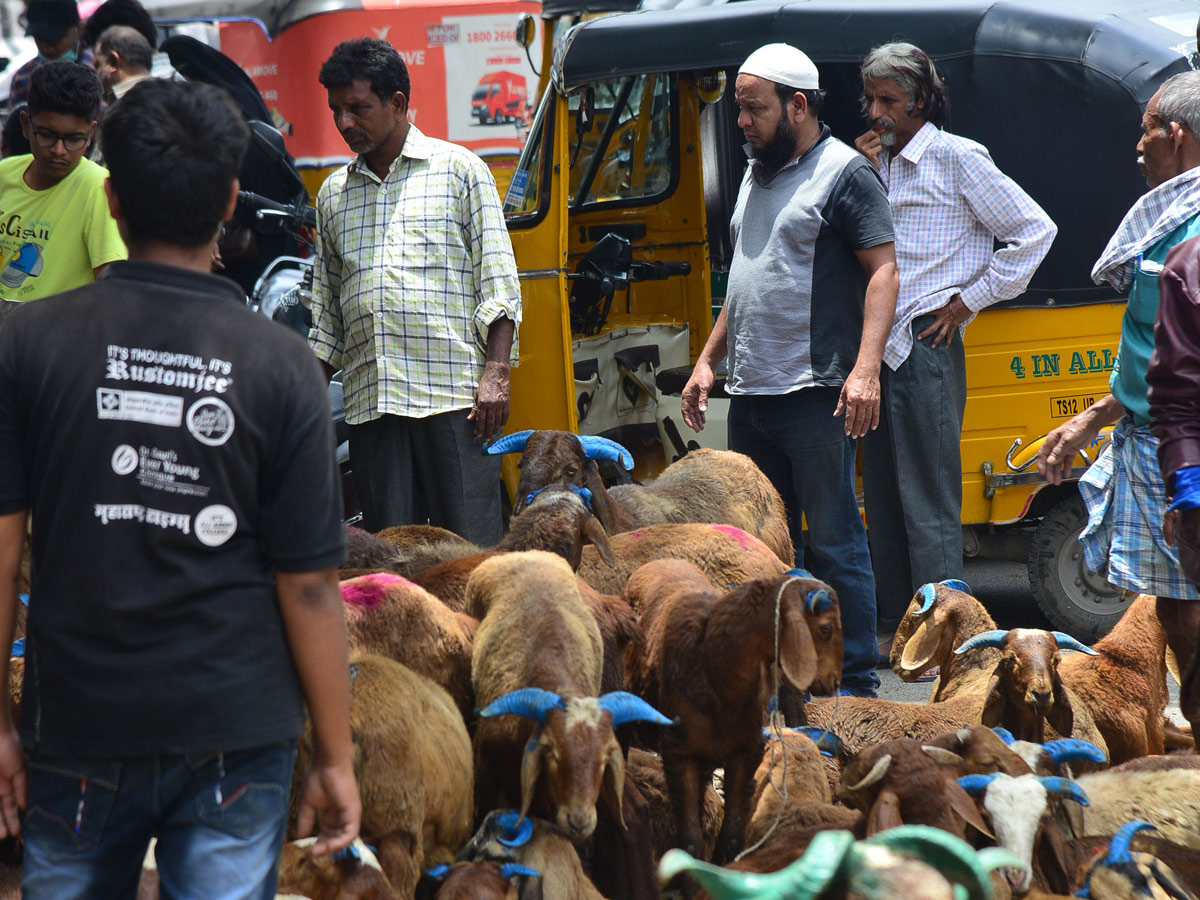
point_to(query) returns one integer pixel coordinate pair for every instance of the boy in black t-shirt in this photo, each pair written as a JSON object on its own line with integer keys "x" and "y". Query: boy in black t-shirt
{"x": 176, "y": 454}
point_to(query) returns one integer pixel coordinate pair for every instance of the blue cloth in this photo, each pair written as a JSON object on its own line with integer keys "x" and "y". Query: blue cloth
{"x": 1126, "y": 500}
{"x": 1128, "y": 379}
{"x": 219, "y": 820}
{"x": 802, "y": 448}
{"x": 1187, "y": 488}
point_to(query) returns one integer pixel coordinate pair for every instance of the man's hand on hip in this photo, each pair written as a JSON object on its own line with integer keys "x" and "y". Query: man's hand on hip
{"x": 694, "y": 400}
{"x": 870, "y": 146}
{"x": 859, "y": 402}
{"x": 490, "y": 411}
{"x": 946, "y": 321}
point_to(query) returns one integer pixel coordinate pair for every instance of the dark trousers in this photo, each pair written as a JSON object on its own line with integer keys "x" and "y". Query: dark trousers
{"x": 803, "y": 449}
{"x": 412, "y": 471}
{"x": 912, "y": 473}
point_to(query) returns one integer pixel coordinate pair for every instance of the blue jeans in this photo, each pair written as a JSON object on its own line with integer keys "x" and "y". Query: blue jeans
{"x": 219, "y": 819}
{"x": 803, "y": 450}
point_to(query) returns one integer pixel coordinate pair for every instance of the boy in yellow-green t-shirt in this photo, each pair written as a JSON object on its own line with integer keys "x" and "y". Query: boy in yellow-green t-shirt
{"x": 55, "y": 229}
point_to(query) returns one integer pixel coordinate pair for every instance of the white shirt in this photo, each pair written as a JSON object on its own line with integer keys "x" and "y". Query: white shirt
{"x": 950, "y": 204}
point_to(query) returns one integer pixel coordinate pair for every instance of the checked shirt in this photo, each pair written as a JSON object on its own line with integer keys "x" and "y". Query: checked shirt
{"x": 949, "y": 202}
{"x": 411, "y": 270}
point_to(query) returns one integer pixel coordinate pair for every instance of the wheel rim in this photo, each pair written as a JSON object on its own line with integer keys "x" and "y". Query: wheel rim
{"x": 1088, "y": 591}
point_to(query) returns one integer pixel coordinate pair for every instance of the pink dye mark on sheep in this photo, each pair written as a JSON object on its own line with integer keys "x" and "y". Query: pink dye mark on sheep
{"x": 745, "y": 540}
{"x": 368, "y": 591}
{"x": 635, "y": 535}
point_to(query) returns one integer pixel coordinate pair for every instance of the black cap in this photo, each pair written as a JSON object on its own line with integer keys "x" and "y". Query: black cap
{"x": 50, "y": 20}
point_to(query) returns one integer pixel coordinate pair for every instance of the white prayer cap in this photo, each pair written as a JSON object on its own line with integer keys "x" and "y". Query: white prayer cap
{"x": 783, "y": 64}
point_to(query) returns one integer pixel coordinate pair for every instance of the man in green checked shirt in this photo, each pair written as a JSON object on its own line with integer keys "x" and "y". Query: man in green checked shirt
{"x": 416, "y": 300}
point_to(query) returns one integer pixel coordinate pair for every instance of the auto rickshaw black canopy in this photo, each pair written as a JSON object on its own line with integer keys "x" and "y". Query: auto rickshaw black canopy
{"x": 1054, "y": 89}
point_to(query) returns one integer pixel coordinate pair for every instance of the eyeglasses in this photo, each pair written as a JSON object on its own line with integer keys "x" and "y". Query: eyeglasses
{"x": 48, "y": 139}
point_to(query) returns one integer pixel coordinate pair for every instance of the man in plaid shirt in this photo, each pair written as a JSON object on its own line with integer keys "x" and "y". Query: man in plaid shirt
{"x": 951, "y": 205}
{"x": 416, "y": 300}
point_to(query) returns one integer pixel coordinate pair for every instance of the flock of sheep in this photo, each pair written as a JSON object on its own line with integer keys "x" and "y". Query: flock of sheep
{"x": 549, "y": 717}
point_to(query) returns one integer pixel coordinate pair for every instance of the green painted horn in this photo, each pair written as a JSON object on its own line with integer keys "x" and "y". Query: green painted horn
{"x": 950, "y": 855}
{"x": 804, "y": 879}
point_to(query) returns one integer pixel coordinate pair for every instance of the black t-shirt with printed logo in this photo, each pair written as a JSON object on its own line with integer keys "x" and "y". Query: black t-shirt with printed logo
{"x": 175, "y": 448}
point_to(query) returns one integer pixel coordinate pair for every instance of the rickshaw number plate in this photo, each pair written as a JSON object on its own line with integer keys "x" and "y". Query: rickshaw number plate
{"x": 1066, "y": 407}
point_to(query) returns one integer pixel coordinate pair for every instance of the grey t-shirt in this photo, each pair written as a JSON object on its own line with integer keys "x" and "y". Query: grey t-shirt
{"x": 795, "y": 302}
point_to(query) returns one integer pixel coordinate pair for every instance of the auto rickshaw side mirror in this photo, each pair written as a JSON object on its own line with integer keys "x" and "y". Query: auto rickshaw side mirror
{"x": 526, "y": 30}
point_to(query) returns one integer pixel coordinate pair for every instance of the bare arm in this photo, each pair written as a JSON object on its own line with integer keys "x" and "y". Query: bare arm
{"x": 860, "y": 396}
{"x": 695, "y": 392}
{"x": 1060, "y": 446}
{"x": 311, "y": 606}
{"x": 12, "y": 762}
{"x": 491, "y": 408}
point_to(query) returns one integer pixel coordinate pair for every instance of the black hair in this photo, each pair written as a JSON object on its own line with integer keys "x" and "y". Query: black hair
{"x": 173, "y": 149}
{"x": 370, "y": 59}
{"x": 813, "y": 97}
{"x": 120, "y": 12}
{"x": 58, "y": 86}
{"x": 15, "y": 142}
{"x": 128, "y": 43}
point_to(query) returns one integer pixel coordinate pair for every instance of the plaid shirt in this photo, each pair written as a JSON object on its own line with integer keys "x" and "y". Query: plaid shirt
{"x": 1156, "y": 214}
{"x": 411, "y": 270}
{"x": 949, "y": 203}
{"x": 18, "y": 90}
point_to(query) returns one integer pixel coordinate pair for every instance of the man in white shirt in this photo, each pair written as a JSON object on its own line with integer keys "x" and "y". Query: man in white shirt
{"x": 951, "y": 206}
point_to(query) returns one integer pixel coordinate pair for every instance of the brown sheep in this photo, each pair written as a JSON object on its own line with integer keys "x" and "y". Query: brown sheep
{"x": 537, "y": 661}
{"x": 412, "y": 759}
{"x": 702, "y": 486}
{"x": 484, "y": 880}
{"x": 708, "y": 659}
{"x": 366, "y": 551}
{"x": 727, "y": 555}
{"x": 939, "y": 619}
{"x": 905, "y": 782}
{"x": 420, "y": 546}
{"x": 645, "y": 770}
{"x": 800, "y": 778}
{"x": 557, "y": 521}
{"x": 351, "y": 874}
{"x": 391, "y": 616}
{"x": 619, "y": 629}
{"x": 1125, "y": 686}
{"x": 505, "y": 836}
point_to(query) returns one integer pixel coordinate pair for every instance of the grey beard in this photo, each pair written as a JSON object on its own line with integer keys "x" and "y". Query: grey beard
{"x": 887, "y": 139}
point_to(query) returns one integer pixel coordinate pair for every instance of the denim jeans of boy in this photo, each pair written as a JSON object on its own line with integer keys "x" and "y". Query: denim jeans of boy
{"x": 219, "y": 820}
{"x": 803, "y": 449}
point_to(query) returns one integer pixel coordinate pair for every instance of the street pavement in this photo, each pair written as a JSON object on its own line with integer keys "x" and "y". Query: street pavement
{"x": 1002, "y": 587}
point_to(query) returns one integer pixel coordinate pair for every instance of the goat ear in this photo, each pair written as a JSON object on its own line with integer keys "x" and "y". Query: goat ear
{"x": 994, "y": 702}
{"x": 614, "y": 781}
{"x": 967, "y": 810}
{"x": 1051, "y": 852}
{"x": 797, "y": 655}
{"x": 885, "y": 812}
{"x": 1061, "y": 716}
{"x": 921, "y": 647}
{"x": 529, "y": 888}
{"x": 600, "y": 505}
{"x": 594, "y": 532}
{"x": 531, "y": 768}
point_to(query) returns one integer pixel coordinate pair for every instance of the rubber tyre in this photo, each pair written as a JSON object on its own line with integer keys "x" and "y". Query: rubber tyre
{"x": 1076, "y": 601}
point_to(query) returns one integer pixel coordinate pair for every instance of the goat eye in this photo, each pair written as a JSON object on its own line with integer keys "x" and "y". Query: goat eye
{"x": 826, "y": 630}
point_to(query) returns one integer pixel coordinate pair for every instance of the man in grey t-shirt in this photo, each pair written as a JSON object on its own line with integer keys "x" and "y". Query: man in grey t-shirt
{"x": 812, "y": 293}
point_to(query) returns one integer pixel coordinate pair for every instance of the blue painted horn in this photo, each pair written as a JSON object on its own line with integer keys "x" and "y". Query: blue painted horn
{"x": 1118, "y": 850}
{"x": 18, "y": 647}
{"x": 1073, "y": 750}
{"x": 508, "y": 443}
{"x": 956, "y": 584}
{"x": 1004, "y": 734}
{"x": 818, "y": 600}
{"x": 1066, "y": 642}
{"x": 602, "y": 448}
{"x": 1065, "y": 787}
{"x": 626, "y": 707}
{"x": 514, "y": 830}
{"x": 928, "y": 594}
{"x": 976, "y": 784}
{"x": 983, "y": 639}
{"x": 532, "y": 703}
{"x": 827, "y": 742}
{"x": 508, "y": 870}
{"x": 438, "y": 872}
{"x": 349, "y": 852}
{"x": 24, "y": 598}
{"x": 800, "y": 573}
